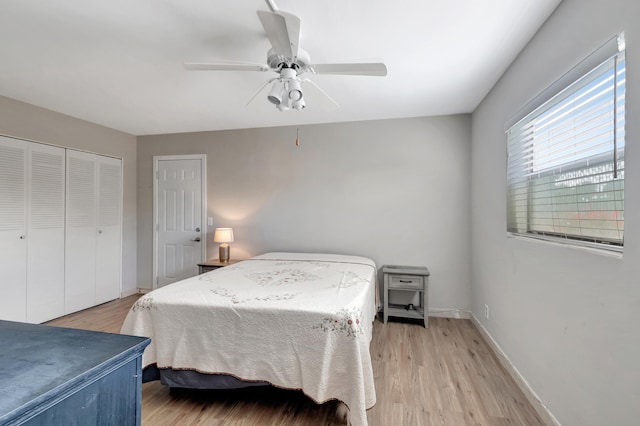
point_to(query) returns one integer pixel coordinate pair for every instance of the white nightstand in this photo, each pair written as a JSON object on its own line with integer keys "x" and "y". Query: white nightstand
{"x": 406, "y": 278}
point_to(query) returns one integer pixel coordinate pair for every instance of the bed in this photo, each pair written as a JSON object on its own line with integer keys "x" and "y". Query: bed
{"x": 292, "y": 320}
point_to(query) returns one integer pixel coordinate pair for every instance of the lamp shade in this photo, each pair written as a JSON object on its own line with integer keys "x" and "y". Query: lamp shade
{"x": 223, "y": 235}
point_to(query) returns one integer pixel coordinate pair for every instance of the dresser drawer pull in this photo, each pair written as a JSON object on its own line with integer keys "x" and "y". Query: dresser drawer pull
{"x": 406, "y": 281}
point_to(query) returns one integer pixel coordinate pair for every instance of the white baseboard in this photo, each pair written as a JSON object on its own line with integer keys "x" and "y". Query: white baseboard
{"x": 449, "y": 313}
{"x": 540, "y": 407}
{"x": 128, "y": 293}
{"x": 444, "y": 313}
{"x": 132, "y": 292}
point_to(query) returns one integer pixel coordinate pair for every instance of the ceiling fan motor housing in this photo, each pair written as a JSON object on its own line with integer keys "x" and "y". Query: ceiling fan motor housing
{"x": 279, "y": 62}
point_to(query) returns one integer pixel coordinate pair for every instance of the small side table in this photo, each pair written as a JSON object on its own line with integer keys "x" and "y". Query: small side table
{"x": 212, "y": 264}
{"x": 406, "y": 278}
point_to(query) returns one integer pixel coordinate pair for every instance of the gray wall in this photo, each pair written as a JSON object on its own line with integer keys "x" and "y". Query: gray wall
{"x": 22, "y": 120}
{"x": 393, "y": 190}
{"x": 564, "y": 317}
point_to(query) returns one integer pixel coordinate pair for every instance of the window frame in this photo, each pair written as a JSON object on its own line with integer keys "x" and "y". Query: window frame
{"x": 546, "y": 102}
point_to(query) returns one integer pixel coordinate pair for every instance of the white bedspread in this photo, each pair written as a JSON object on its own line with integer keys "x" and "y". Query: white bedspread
{"x": 297, "y": 321}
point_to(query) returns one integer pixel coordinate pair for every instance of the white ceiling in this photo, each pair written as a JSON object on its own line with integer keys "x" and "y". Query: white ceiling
{"x": 118, "y": 63}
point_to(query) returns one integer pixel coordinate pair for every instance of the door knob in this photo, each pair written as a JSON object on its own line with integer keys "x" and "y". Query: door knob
{"x": 197, "y": 239}
{"x": 22, "y": 237}
{"x": 198, "y": 229}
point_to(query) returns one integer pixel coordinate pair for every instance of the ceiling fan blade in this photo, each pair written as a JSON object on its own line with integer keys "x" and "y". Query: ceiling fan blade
{"x": 314, "y": 93}
{"x": 283, "y": 30}
{"x": 370, "y": 68}
{"x": 225, "y": 66}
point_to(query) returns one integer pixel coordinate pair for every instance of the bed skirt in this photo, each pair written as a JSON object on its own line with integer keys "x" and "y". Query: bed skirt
{"x": 194, "y": 379}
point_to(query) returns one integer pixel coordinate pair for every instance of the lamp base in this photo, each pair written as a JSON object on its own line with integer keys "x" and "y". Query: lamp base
{"x": 223, "y": 253}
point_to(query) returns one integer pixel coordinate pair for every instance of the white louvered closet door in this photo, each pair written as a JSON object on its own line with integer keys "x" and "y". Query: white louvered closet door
{"x": 13, "y": 229}
{"x": 81, "y": 230}
{"x": 109, "y": 242}
{"x": 45, "y": 235}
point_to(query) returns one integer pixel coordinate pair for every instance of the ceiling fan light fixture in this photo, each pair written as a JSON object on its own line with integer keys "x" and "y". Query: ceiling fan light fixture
{"x": 295, "y": 91}
{"x": 299, "y": 104}
{"x": 275, "y": 95}
{"x": 283, "y": 106}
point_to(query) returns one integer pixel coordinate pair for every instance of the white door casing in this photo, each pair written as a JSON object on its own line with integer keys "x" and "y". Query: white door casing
{"x": 179, "y": 211}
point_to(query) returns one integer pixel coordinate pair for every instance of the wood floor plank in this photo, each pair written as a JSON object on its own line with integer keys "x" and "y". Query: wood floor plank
{"x": 442, "y": 375}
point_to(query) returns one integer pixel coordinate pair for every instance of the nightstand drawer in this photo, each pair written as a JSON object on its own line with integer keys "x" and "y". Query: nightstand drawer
{"x": 213, "y": 264}
{"x": 204, "y": 269}
{"x": 410, "y": 282}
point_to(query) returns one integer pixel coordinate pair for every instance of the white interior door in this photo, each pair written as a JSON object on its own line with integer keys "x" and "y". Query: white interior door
{"x": 13, "y": 229}
{"x": 80, "y": 244}
{"x": 108, "y": 244}
{"x": 179, "y": 218}
{"x": 45, "y": 235}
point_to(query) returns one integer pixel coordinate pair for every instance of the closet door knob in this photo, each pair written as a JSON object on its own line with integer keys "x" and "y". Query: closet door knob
{"x": 197, "y": 239}
{"x": 22, "y": 237}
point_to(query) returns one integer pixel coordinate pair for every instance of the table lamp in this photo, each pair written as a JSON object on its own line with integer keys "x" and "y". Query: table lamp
{"x": 223, "y": 236}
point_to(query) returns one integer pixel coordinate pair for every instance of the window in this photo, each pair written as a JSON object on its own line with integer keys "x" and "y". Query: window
{"x": 565, "y": 171}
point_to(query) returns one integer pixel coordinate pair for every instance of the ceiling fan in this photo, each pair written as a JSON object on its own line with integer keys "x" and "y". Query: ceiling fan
{"x": 289, "y": 61}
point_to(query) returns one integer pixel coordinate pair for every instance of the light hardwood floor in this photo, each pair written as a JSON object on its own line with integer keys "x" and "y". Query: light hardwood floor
{"x": 443, "y": 375}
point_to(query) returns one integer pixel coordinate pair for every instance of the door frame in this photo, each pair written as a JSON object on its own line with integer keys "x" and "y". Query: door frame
{"x": 203, "y": 177}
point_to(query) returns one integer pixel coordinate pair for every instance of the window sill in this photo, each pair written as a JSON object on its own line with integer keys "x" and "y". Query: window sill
{"x": 614, "y": 251}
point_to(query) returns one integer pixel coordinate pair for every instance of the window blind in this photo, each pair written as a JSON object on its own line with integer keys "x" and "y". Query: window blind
{"x": 565, "y": 171}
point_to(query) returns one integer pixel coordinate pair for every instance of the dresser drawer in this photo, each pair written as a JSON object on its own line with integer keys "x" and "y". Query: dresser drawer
{"x": 413, "y": 282}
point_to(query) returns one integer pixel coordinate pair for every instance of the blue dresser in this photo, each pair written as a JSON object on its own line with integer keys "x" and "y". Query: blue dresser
{"x": 62, "y": 376}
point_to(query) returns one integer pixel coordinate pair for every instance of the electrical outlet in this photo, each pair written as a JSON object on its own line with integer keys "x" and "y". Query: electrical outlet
{"x": 486, "y": 311}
